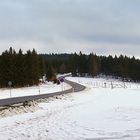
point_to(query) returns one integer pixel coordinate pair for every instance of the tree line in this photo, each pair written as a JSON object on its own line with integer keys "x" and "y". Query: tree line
{"x": 127, "y": 68}
{"x": 25, "y": 69}
{"x": 21, "y": 69}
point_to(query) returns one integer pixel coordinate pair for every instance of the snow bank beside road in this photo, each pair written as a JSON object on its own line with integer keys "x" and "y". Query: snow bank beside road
{"x": 34, "y": 90}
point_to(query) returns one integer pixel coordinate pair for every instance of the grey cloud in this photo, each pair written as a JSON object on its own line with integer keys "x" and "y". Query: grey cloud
{"x": 50, "y": 25}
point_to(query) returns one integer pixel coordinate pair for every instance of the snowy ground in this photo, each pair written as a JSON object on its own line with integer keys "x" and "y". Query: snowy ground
{"x": 48, "y": 87}
{"x": 97, "y": 113}
{"x": 105, "y": 83}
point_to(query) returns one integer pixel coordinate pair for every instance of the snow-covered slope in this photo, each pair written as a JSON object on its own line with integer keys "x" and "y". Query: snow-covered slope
{"x": 93, "y": 114}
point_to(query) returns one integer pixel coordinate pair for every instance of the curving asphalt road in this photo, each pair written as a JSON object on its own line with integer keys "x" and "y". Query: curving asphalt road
{"x": 10, "y": 101}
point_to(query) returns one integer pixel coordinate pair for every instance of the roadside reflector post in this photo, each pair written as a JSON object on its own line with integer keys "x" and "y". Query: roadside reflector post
{"x": 105, "y": 84}
{"x": 62, "y": 82}
{"x": 62, "y": 86}
{"x": 111, "y": 84}
{"x": 124, "y": 85}
{"x": 10, "y": 84}
{"x": 39, "y": 88}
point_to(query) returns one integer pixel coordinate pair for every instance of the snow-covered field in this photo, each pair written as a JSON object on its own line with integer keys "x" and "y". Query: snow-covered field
{"x": 105, "y": 83}
{"x": 100, "y": 112}
{"x": 48, "y": 87}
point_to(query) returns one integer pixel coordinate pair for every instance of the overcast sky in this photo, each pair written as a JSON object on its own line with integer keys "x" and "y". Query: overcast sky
{"x": 65, "y": 26}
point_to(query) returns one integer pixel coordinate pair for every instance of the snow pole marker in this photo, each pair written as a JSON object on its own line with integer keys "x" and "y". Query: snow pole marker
{"x": 10, "y": 84}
